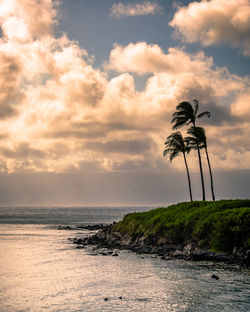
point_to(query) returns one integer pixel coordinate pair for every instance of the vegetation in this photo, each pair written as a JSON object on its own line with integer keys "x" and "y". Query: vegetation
{"x": 174, "y": 145}
{"x": 187, "y": 114}
{"x": 198, "y": 138}
{"x": 219, "y": 225}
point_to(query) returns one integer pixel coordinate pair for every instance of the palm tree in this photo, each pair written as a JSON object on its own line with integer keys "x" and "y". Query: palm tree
{"x": 187, "y": 114}
{"x": 198, "y": 137}
{"x": 174, "y": 145}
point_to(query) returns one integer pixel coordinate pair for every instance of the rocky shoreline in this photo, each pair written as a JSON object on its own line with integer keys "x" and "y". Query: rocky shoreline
{"x": 90, "y": 227}
{"x": 110, "y": 240}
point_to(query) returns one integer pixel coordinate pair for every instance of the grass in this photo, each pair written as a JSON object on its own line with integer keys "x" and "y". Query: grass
{"x": 220, "y": 225}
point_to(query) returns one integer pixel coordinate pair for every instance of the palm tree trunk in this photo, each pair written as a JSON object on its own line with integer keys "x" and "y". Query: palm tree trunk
{"x": 201, "y": 171}
{"x": 189, "y": 181}
{"x": 211, "y": 177}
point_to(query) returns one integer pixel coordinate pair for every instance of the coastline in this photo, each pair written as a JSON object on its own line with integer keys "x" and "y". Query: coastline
{"x": 110, "y": 239}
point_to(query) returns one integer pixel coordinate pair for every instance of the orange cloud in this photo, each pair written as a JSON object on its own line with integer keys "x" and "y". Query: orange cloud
{"x": 58, "y": 113}
{"x": 9, "y": 79}
{"x": 215, "y": 21}
{"x": 241, "y": 107}
{"x": 26, "y": 20}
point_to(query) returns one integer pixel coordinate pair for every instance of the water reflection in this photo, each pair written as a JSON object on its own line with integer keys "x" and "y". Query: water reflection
{"x": 41, "y": 271}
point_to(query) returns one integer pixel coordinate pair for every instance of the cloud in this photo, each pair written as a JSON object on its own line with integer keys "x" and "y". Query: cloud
{"x": 124, "y": 147}
{"x": 177, "y": 75}
{"x": 241, "y": 107}
{"x": 143, "y": 58}
{"x": 60, "y": 114}
{"x": 22, "y": 151}
{"x": 215, "y": 21}
{"x": 134, "y": 9}
{"x": 9, "y": 79}
{"x": 27, "y": 19}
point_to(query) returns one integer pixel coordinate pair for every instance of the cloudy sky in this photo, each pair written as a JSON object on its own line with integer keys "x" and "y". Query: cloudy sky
{"x": 88, "y": 88}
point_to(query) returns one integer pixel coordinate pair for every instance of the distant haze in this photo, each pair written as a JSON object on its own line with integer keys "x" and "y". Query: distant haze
{"x": 122, "y": 189}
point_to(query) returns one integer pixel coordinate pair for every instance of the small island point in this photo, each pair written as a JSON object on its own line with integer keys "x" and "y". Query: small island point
{"x": 199, "y": 230}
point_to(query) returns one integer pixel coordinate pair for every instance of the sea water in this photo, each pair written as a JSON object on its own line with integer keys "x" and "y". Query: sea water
{"x": 41, "y": 270}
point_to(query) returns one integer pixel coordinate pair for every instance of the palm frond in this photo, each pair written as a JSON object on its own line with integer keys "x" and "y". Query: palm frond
{"x": 197, "y": 136}
{"x": 172, "y": 152}
{"x": 184, "y": 115}
{"x": 178, "y": 123}
{"x": 181, "y": 113}
{"x": 187, "y": 149}
{"x": 191, "y": 142}
{"x": 185, "y": 107}
{"x": 174, "y": 145}
{"x": 173, "y": 155}
{"x": 167, "y": 151}
{"x": 206, "y": 113}
{"x": 190, "y": 121}
{"x": 196, "y": 106}
{"x": 178, "y": 118}
{"x": 175, "y": 136}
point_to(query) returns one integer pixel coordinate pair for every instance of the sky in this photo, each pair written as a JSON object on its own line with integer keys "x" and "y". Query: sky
{"x": 88, "y": 89}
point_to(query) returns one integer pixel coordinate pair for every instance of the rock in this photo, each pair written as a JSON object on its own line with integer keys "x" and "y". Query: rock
{"x": 216, "y": 277}
{"x": 103, "y": 253}
{"x": 78, "y": 241}
{"x": 246, "y": 258}
{"x": 190, "y": 247}
{"x": 106, "y": 299}
{"x": 120, "y": 297}
{"x": 108, "y": 240}
{"x": 92, "y": 227}
{"x": 178, "y": 254}
{"x": 65, "y": 227}
{"x": 144, "y": 250}
{"x": 115, "y": 255}
{"x": 150, "y": 240}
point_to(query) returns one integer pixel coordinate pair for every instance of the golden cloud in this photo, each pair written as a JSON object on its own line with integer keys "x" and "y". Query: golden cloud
{"x": 215, "y": 21}
{"x": 58, "y": 113}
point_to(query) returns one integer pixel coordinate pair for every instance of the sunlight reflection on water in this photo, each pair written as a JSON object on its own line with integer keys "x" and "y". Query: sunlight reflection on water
{"x": 40, "y": 270}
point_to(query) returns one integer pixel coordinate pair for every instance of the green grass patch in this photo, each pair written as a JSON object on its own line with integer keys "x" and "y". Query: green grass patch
{"x": 219, "y": 225}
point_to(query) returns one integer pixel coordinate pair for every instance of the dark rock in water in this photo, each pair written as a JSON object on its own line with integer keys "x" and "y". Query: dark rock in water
{"x": 78, "y": 241}
{"x": 106, "y": 299}
{"x": 215, "y": 277}
{"x": 120, "y": 297}
{"x": 65, "y": 227}
{"x": 103, "y": 253}
{"x": 91, "y": 227}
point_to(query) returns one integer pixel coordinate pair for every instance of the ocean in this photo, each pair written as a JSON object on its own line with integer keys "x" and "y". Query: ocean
{"x": 41, "y": 270}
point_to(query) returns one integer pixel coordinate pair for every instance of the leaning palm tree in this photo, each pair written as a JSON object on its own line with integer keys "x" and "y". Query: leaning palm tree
{"x": 187, "y": 114}
{"x": 198, "y": 137}
{"x": 174, "y": 145}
